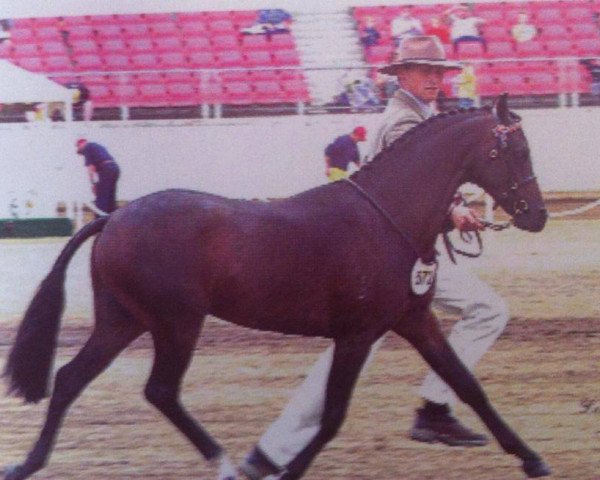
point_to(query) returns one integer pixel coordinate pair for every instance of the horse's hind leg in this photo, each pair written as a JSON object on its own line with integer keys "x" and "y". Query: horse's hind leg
{"x": 114, "y": 330}
{"x": 174, "y": 342}
{"x": 425, "y": 335}
{"x": 349, "y": 356}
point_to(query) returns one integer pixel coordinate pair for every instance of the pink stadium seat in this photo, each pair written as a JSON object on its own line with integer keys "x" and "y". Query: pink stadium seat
{"x": 23, "y": 23}
{"x": 543, "y": 83}
{"x": 58, "y": 63}
{"x": 21, "y": 34}
{"x": 238, "y": 93}
{"x": 126, "y": 94}
{"x": 500, "y": 49}
{"x": 48, "y": 33}
{"x": 53, "y": 48}
{"x": 268, "y": 92}
{"x": 559, "y": 48}
{"x": 257, "y": 58}
{"x": 84, "y": 46}
{"x": 116, "y": 62}
{"x": 168, "y": 44}
{"x": 73, "y": 20}
{"x": 100, "y": 20}
{"x": 137, "y": 45}
{"x": 211, "y": 93}
{"x": 147, "y": 77}
{"x": 182, "y": 94}
{"x": 193, "y": 27}
{"x": 228, "y": 76}
{"x": 554, "y": 32}
{"x": 494, "y": 15}
{"x": 201, "y": 60}
{"x": 153, "y": 18}
{"x": 135, "y": 30}
{"x": 264, "y": 75}
{"x": 164, "y": 29}
{"x": 225, "y": 42}
{"x": 144, "y": 61}
{"x": 546, "y": 16}
{"x": 583, "y": 30}
{"x": 180, "y": 77}
{"x": 255, "y": 42}
{"x": 196, "y": 44}
{"x": 39, "y": 22}
{"x": 576, "y": 14}
{"x": 286, "y": 57}
{"x": 108, "y": 31}
{"x": 229, "y": 58}
{"x": 471, "y": 50}
{"x": 282, "y": 41}
{"x": 221, "y": 26}
{"x": 80, "y": 32}
{"x": 172, "y": 60}
{"x": 530, "y": 48}
{"x": 295, "y": 90}
{"x": 88, "y": 62}
{"x": 154, "y": 94}
{"x": 587, "y": 46}
{"x": 191, "y": 16}
{"x": 114, "y": 46}
{"x": 513, "y": 83}
{"x": 495, "y": 33}
{"x": 33, "y": 64}
{"x": 20, "y": 50}
{"x": 130, "y": 18}
{"x": 101, "y": 94}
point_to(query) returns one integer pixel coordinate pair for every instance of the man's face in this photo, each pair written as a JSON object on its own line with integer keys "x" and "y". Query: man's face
{"x": 423, "y": 81}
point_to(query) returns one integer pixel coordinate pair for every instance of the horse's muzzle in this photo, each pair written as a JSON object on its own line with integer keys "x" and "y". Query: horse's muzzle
{"x": 531, "y": 219}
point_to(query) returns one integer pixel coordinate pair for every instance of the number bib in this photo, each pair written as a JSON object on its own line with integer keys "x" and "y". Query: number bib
{"x": 422, "y": 277}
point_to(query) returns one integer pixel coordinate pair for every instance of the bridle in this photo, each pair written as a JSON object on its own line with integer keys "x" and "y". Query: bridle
{"x": 501, "y": 133}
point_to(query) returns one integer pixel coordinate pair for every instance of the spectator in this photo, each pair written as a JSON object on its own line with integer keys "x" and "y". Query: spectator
{"x": 103, "y": 172}
{"x": 523, "y": 31}
{"x": 270, "y": 21}
{"x": 593, "y": 67}
{"x": 370, "y": 35}
{"x": 465, "y": 27}
{"x": 57, "y": 115}
{"x": 83, "y": 107}
{"x": 386, "y": 85}
{"x": 343, "y": 151}
{"x": 438, "y": 27}
{"x": 404, "y": 25}
{"x": 465, "y": 84}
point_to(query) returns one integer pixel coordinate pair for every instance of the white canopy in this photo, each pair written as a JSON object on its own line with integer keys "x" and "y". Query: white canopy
{"x": 20, "y": 86}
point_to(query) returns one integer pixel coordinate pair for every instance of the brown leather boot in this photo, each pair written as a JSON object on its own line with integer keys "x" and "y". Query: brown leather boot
{"x": 434, "y": 423}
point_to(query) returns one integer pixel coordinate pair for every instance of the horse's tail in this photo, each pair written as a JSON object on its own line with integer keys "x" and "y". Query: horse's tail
{"x": 32, "y": 356}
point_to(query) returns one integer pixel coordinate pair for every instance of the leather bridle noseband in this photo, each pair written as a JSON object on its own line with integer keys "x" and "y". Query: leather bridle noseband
{"x": 501, "y": 133}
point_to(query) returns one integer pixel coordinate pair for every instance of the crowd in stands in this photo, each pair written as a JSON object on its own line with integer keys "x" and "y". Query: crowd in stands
{"x": 250, "y": 57}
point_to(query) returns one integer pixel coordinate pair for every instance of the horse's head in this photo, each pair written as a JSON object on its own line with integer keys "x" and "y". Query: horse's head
{"x": 503, "y": 169}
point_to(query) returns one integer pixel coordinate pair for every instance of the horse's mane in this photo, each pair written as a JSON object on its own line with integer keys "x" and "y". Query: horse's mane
{"x": 435, "y": 121}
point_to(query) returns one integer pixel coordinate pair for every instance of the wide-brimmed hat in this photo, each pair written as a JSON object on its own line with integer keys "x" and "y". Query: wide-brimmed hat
{"x": 421, "y": 50}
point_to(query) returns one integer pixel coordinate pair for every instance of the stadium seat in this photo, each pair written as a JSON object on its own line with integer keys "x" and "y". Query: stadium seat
{"x": 546, "y": 16}
{"x": 114, "y": 46}
{"x": 126, "y": 94}
{"x": 147, "y": 77}
{"x": 73, "y": 20}
{"x": 101, "y": 20}
{"x": 182, "y": 94}
{"x": 255, "y": 42}
{"x": 286, "y": 57}
{"x": 495, "y": 33}
{"x": 282, "y": 41}
{"x": 154, "y": 94}
{"x": 228, "y": 76}
{"x": 83, "y": 46}
{"x": 583, "y": 30}
{"x": 58, "y": 64}
{"x": 108, "y": 31}
{"x": 180, "y": 77}
{"x": 193, "y": 27}
{"x": 172, "y": 60}
{"x": 20, "y": 50}
{"x": 263, "y": 75}
{"x": 135, "y": 30}
{"x": 88, "y": 62}
{"x": 513, "y": 83}
{"x": 137, "y": 45}
{"x": 211, "y": 93}
{"x": 296, "y": 90}
{"x": 530, "y": 48}
{"x": 378, "y": 53}
{"x": 257, "y": 58}
{"x": 197, "y": 44}
{"x": 543, "y": 83}
{"x": 164, "y": 29}
{"x": 21, "y": 34}
{"x": 116, "y": 62}
{"x": 500, "y": 49}
{"x": 48, "y": 33}
{"x": 130, "y": 18}
{"x": 153, "y": 18}
{"x": 168, "y": 44}
{"x": 101, "y": 95}
{"x": 587, "y": 47}
{"x": 53, "y": 47}
{"x": 577, "y": 14}
{"x": 225, "y": 42}
{"x": 229, "y": 58}
{"x": 237, "y": 93}
{"x": 81, "y": 32}
{"x": 554, "y": 32}
{"x": 268, "y": 92}
{"x": 144, "y": 61}
{"x": 558, "y": 48}
{"x": 33, "y": 64}
{"x": 201, "y": 60}
{"x": 471, "y": 50}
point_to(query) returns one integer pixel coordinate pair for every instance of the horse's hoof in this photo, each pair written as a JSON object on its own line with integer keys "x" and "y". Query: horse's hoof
{"x": 535, "y": 468}
{"x": 13, "y": 472}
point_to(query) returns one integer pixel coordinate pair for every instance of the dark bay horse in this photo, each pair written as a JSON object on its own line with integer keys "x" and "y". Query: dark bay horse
{"x": 337, "y": 261}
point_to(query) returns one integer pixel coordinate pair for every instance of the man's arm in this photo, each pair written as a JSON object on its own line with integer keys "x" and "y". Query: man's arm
{"x": 93, "y": 175}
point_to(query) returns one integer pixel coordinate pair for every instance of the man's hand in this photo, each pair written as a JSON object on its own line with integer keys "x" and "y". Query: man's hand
{"x": 465, "y": 219}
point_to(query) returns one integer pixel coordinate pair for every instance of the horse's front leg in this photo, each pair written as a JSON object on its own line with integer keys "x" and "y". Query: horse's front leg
{"x": 349, "y": 356}
{"x": 425, "y": 335}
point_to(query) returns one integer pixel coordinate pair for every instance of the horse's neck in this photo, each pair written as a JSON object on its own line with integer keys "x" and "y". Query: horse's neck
{"x": 416, "y": 187}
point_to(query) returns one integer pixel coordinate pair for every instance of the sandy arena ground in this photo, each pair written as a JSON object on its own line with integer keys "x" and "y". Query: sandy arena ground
{"x": 542, "y": 376}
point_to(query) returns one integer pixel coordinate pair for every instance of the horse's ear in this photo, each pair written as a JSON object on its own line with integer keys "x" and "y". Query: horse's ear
{"x": 501, "y": 109}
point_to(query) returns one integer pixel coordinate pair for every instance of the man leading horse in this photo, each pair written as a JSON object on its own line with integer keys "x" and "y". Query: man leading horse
{"x": 419, "y": 65}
